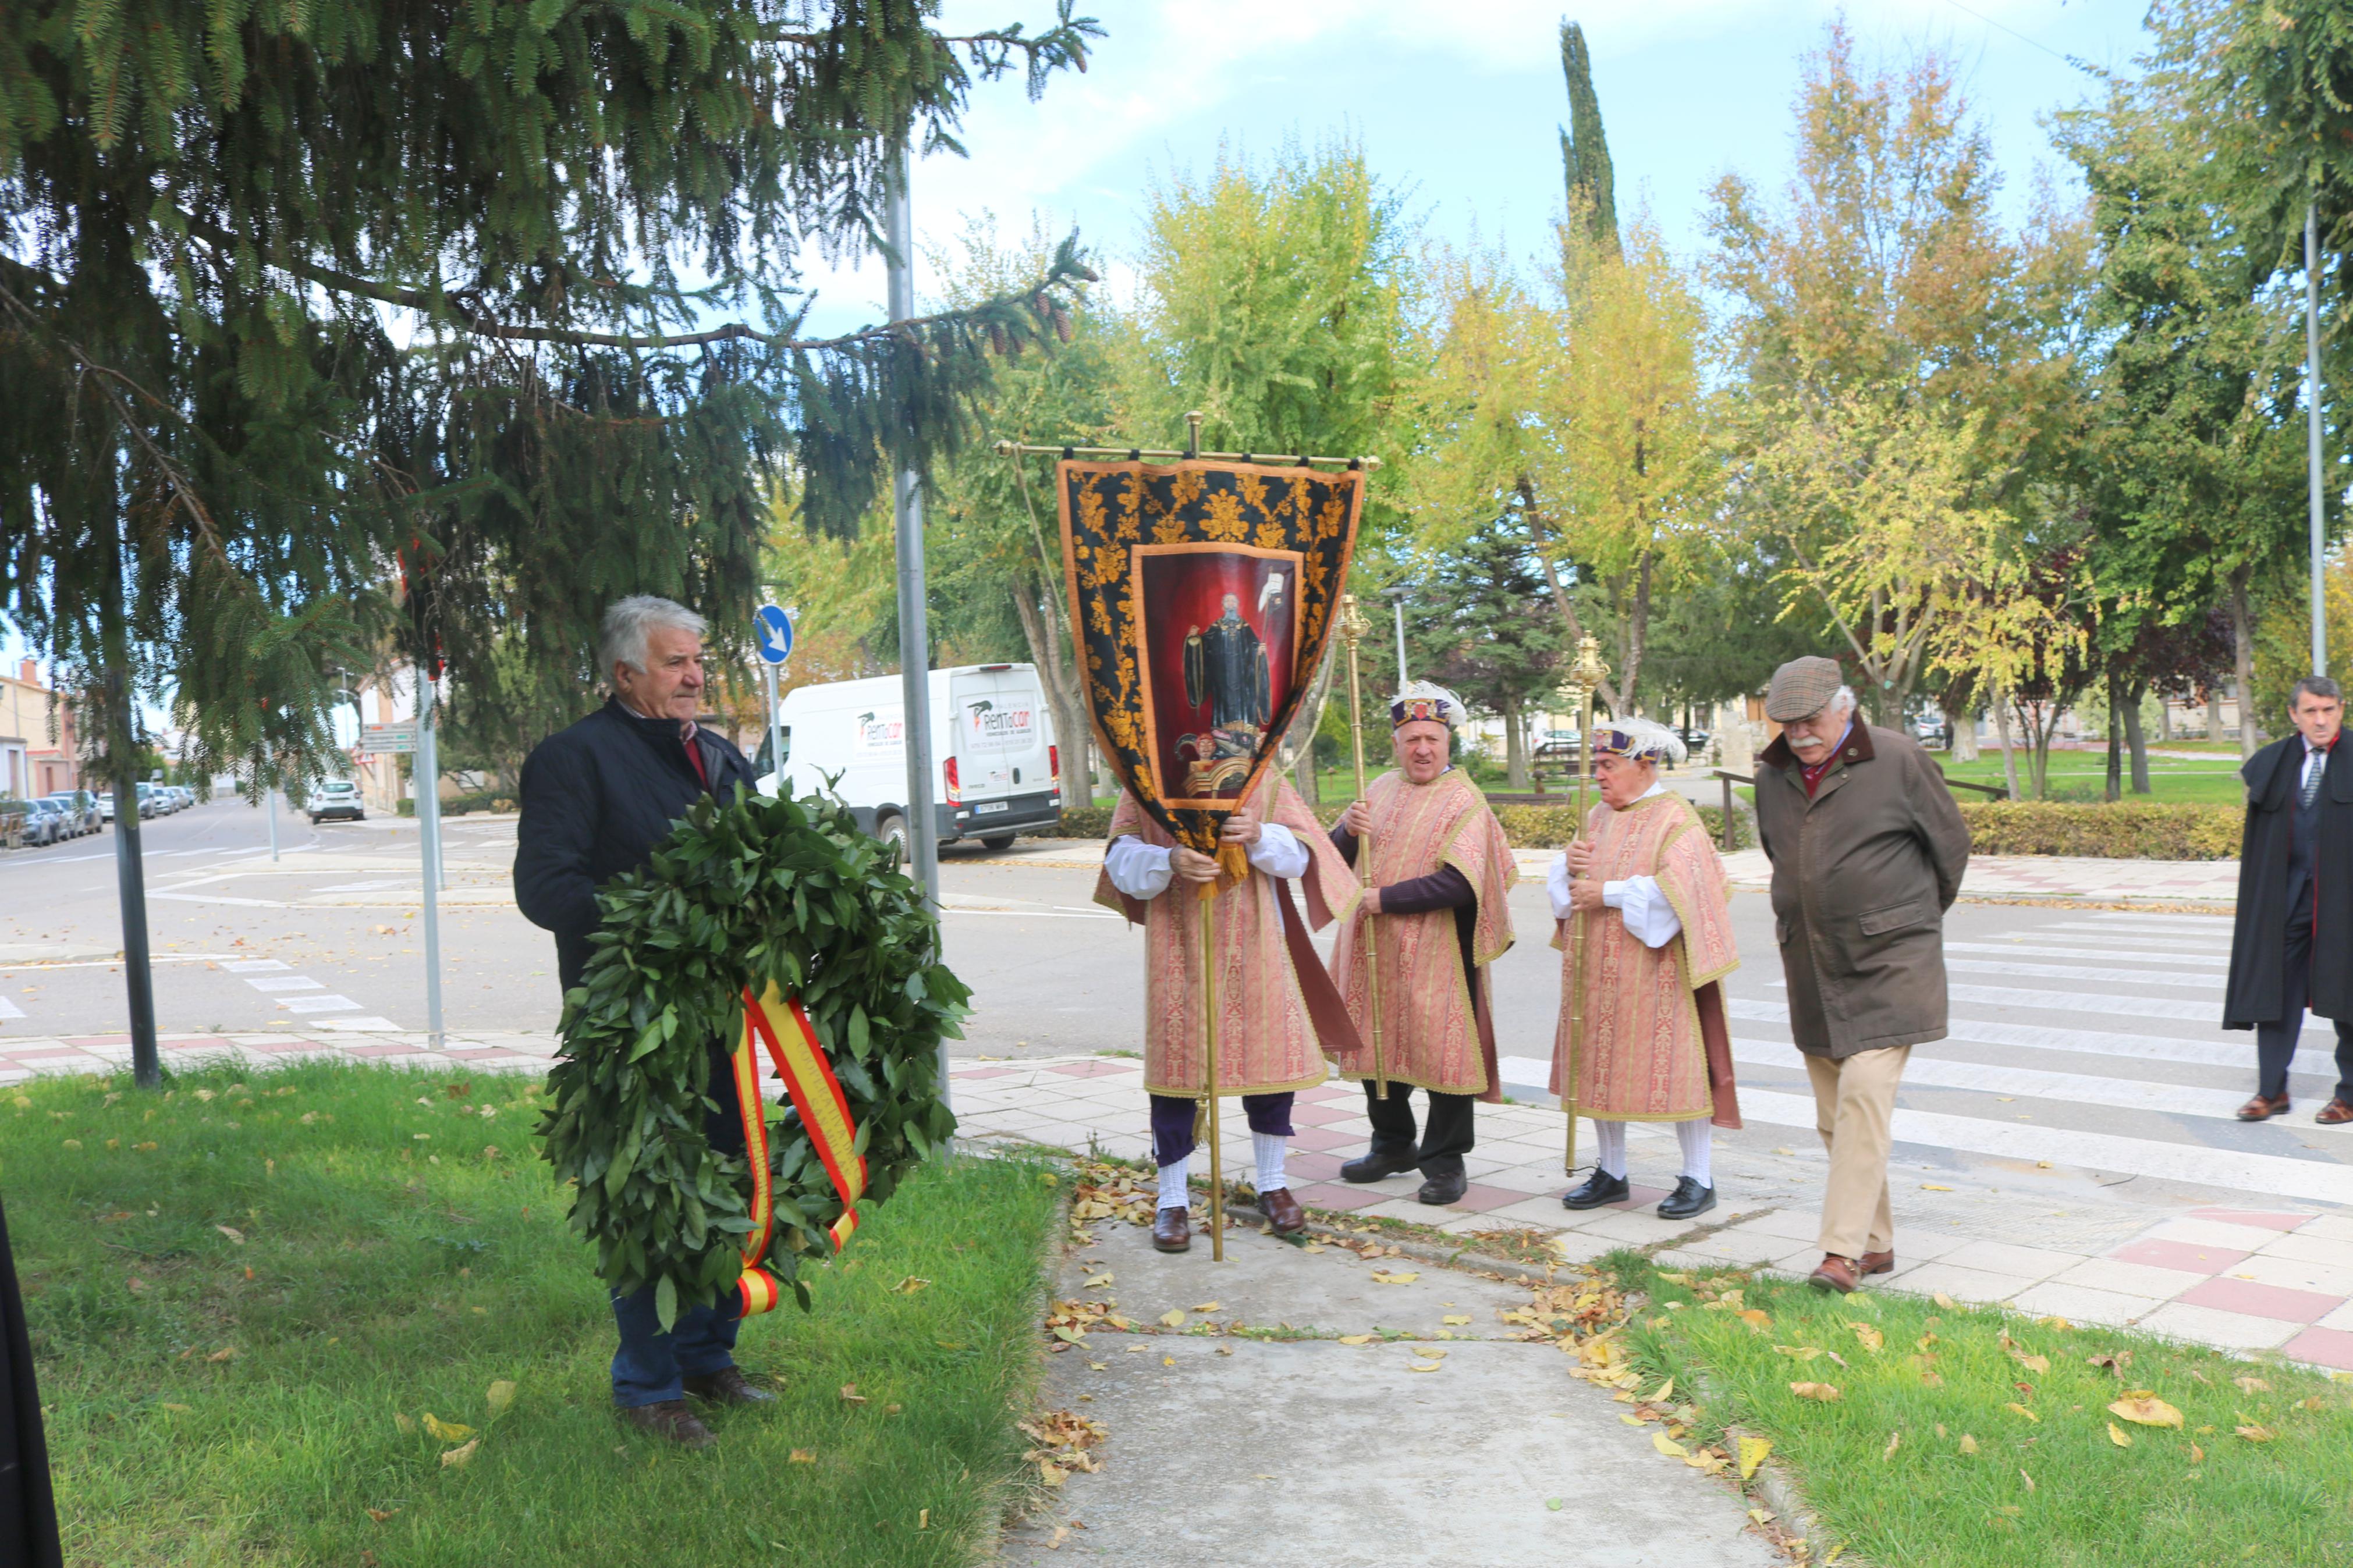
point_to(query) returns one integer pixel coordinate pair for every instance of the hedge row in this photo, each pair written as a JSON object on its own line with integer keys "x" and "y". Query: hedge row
{"x": 2113, "y": 831}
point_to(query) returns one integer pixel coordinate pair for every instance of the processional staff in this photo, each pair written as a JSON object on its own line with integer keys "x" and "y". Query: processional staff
{"x": 1352, "y": 627}
{"x": 1584, "y": 677}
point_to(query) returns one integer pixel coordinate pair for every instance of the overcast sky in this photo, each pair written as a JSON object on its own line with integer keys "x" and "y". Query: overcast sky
{"x": 1460, "y": 116}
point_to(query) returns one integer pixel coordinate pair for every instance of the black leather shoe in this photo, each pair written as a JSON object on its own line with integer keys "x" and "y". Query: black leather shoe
{"x": 1688, "y": 1199}
{"x": 1372, "y": 1167}
{"x": 1599, "y": 1189}
{"x": 726, "y": 1386}
{"x": 1446, "y": 1189}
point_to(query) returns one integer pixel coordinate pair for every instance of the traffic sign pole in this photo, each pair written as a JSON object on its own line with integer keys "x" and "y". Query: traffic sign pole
{"x": 428, "y": 823}
{"x": 775, "y": 646}
{"x": 775, "y": 748}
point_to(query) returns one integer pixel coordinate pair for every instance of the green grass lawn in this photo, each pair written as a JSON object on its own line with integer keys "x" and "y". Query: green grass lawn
{"x": 246, "y": 1297}
{"x": 2083, "y": 776}
{"x": 1947, "y": 1448}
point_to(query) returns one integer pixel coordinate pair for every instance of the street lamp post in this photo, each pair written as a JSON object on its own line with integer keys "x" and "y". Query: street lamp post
{"x": 1397, "y": 596}
{"x": 2317, "y": 519}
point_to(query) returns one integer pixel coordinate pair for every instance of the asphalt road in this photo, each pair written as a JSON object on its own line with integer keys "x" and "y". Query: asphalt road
{"x": 2083, "y": 1039}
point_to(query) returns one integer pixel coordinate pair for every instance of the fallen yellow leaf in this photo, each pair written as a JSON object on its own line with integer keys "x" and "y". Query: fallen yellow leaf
{"x": 1934, "y": 1187}
{"x": 2027, "y": 1478}
{"x": 2256, "y": 1434}
{"x": 1668, "y": 1446}
{"x": 1752, "y": 1454}
{"x": 2252, "y": 1386}
{"x": 1634, "y": 1420}
{"x": 1355, "y": 1339}
{"x": 457, "y": 1458}
{"x": 2197, "y": 1454}
{"x": 1894, "y": 1441}
{"x": 448, "y": 1431}
{"x": 2015, "y": 1408}
{"x": 2145, "y": 1409}
{"x": 1827, "y": 1392}
{"x": 1174, "y": 1317}
{"x": 2118, "y": 1435}
{"x": 1381, "y": 1278}
{"x": 1799, "y": 1352}
{"x": 1969, "y": 1445}
{"x": 910, "y": 1285}
{"x": 400, "y": 1419}
{"x": 1660, "y": 1394}
{"x": 802, "y": 1456}
{"x": 500, "y": 1395}
{"x": 1756, "y": 1317}
{"x": 1211, "y": 1307}
{"x": 227, "y": 1352}
{"x": 235, "y": 1235}
{"x": 1457, "y": 1320}
{"x": 381, "y": 1514}
{"x": 1423, "y": 1365}
{"x": 1945, "y": 1301}
{"x": 1052, "y": 1474}
{"x": 850, "y": 1394}
{"x": 1868, "y": 1337}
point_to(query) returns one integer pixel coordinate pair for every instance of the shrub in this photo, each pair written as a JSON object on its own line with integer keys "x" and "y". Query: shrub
{"x": 1083, "y": 822}
{"x": 2118, "y": 830}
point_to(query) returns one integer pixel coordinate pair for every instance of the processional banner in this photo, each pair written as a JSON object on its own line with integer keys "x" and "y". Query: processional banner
{"x": 1202, "y": 594}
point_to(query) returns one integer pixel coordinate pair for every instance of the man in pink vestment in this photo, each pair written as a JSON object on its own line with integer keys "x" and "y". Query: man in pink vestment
{"x": 1656, "y": 929}
{"x": 1276, "y": 1007}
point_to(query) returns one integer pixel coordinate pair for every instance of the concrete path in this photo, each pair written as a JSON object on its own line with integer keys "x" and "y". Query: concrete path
{"x": 1308, "y": 1453}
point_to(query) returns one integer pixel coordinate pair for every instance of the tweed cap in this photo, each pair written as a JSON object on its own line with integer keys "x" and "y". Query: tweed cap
{"x": 1800, "y": 688}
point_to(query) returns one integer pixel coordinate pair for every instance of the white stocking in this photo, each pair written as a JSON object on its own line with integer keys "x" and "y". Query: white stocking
{"x": 1610, "y": 1149}
{"x": 1698, "y": 1140}
{"x": 1267, "y": 1149}
{"x": 1173, "y": 1193}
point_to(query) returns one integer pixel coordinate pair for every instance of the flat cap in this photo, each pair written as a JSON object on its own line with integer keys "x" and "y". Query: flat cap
{"x": 1800, "y": 688}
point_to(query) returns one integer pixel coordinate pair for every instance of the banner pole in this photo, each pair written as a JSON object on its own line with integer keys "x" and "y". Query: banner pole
{"x": 1587, "y": 674}
{"x": 1209, "y": 1068}
{"x": 1352, "y": 627}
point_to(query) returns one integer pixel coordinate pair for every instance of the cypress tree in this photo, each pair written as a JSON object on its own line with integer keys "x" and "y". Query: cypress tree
{"x": 1584, "y": 149}
{"x": 334, "y": 333}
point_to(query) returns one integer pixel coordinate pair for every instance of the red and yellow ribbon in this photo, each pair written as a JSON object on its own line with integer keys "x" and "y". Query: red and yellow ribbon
{"x": 779, "y": 1023}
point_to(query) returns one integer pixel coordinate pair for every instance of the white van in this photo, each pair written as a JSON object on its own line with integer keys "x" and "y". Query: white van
{"x": 997, "y": 771}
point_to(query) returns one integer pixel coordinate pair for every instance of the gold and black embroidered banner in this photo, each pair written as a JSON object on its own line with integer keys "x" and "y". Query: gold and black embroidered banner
{"x": 1203, "y": 594}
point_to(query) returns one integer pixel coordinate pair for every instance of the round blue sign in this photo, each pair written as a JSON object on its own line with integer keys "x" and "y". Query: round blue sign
{"x": 775, "y": 634}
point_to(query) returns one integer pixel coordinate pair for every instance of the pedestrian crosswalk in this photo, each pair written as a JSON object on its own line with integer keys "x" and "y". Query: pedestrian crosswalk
{"x": 2091, "y": 1041}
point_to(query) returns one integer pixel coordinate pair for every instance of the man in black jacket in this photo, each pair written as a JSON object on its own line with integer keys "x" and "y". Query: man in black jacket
{"x": 2292, "y": 944}
{"x": 596, "y": 798}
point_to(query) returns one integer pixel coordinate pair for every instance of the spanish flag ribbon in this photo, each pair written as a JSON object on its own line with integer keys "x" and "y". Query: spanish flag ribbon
{"x": 779, "y": 1023}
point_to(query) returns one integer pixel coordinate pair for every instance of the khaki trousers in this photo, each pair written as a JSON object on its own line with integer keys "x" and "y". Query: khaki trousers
{"x": 1854, "y": 1106}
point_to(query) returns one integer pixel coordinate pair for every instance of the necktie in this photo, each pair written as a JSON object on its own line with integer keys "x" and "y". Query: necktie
{"x": 2312, "y": 776}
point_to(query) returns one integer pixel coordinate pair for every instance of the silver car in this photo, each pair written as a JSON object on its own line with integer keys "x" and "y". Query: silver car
{"x": 80, "y": 808}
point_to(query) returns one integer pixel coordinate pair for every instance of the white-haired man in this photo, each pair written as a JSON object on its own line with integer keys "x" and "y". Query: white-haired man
{"x": 596, "y": 798}
{"x": 1655, "y": 921}
{"x": 1868, "y": 851}
{"x": 1436, "y": 873}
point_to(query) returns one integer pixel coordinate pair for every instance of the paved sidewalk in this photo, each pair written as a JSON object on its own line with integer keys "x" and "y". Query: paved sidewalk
{"x": 2264, "y": 1278}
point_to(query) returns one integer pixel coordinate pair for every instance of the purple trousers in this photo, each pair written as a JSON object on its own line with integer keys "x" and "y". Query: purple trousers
{"x": 1172, "y": 1122}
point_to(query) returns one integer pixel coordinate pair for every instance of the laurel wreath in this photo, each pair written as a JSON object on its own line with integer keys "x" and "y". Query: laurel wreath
{"x": 742, "y": 893}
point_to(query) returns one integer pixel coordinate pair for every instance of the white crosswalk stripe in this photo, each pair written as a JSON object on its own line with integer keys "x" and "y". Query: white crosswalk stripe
{"x": 2080, "y": 972}
{"x": 1936, "y": 1072}
{"x": 2087, "y": 1042}
{"x": 2134, "y": 954}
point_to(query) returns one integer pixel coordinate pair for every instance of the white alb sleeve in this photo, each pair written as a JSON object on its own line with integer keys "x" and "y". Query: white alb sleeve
{"x": 1650, "y": 918}
{"x": 1278, "y": 852}
{"x": 1556, "y": 884}
{"x": 1140, "y": 871}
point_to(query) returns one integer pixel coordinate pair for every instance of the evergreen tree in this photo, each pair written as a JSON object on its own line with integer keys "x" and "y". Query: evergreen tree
{"x": 1592, "y": 185}
{"x": 425, "y": 328}
{"x": 1482, "y": 627}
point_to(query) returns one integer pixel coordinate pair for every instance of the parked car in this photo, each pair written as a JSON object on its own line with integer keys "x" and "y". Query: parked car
{"x": 1694, "y": 740}
{"x": 106, "y": 804}
{"x": 187, "y": 796}
{"x": 1560, "y": 756}
{"x": 151, "y": 800}
{"x": 338, "y": 798}
{"x": 80, "y": 808}
{"x": 43, "y": 823}
{"x": 1933, "y": 730}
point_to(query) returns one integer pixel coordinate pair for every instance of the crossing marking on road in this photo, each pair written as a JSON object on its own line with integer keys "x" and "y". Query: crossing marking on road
{"x": 2077, "y": 1088}
{"x": 2087, "y": 1002}
{"x": 2082, "y": 971}
{"x": 2088, "y": 1042}
{"x": 289, "y": 983}
{"x": 9, "y": 1009}
{"x": 2128, "y": 955}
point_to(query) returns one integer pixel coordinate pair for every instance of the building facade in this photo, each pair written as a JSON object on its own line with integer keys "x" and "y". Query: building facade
{"x": 37, "y": 754}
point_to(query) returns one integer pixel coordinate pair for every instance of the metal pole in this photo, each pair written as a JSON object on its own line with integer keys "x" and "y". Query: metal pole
{"x": 428, "y": 828}
{"x": 131, "y": 885}
{"x": 914, "y": 623}
{"x": 269, "y": 810}
{"x": 2312, "y": 431}
{"x": 1209, "y": 1069}
{"x": 1399, "y": 605}
{"x": 775, "y": 742}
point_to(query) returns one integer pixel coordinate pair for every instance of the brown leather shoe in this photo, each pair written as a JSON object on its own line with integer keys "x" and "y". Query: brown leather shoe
{"x": 726, "y": 1386}
{"x": 1877, "y": 1262}
{"x": 1834, "y": 1273}
{"x": 2336, "y": 1113}
{"x": 669, "y": 1418}
{"x": 2262, "y": 1108}
{"x": 1172, "y": 1230}
{"x": 1282, "y": 1212}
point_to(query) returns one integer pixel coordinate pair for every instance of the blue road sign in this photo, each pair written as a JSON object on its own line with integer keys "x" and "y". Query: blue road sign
{"x": 775, "y": 634}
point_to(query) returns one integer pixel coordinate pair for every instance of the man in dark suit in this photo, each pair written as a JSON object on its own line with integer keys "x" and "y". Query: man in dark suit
{"x": 596, "y": 798}
{"x": 2292, "y": 944}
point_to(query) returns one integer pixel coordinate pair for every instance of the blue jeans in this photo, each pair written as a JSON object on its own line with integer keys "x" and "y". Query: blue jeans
{"x": 650, "y": 1365}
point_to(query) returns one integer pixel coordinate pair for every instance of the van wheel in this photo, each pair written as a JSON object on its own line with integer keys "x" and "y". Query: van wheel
{"x": 996, "y": 840}
{"x": 892, "y": 831}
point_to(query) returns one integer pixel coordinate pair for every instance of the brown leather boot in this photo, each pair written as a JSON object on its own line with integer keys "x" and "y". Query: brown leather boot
{"x": 1282, "y": 1211}
{"x": 1834, "y": 1273}
{"x": 669, "y": 1418}
{"x": 1172, "y": 1230}
{"x": 1878, "y": 1262}
{"x": 726, "y": 1386}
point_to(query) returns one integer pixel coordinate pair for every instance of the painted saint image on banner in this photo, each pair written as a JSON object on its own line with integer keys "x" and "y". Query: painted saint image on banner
{"x": 1220, "y": 635}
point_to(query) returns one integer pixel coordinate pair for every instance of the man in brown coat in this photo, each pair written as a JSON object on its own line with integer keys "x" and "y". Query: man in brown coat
{"x": 1867, "y": 850}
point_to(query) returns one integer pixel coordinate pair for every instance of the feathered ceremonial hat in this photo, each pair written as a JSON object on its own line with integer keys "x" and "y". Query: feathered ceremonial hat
{"x": 1640, "y": 738}
{"x": 1425, "y": 702}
